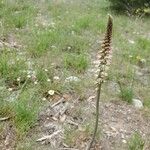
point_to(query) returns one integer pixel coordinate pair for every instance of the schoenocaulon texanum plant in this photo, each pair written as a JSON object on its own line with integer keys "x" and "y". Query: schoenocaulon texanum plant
{"x": 105, "y": 55}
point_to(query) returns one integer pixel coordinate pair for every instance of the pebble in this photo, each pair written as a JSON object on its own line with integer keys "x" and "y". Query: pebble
{"x": 137, "y": 103}
{"x": 124, "y": 141}
{"x": 72, "y": 78}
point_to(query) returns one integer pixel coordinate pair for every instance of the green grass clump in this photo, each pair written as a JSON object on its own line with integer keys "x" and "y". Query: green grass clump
{"x": 19, "y": 20}
{"x": 144, "y": 43}
{"x": 147, "y": 102}
{"x": 73, "y": 136}
{"x": 11, "y": 67}
{"x": 25, "y": 108}
{"x": 41, "y": 41}
{"x": 16, "y": 14}
{"x": 82, "y": 23}
{"x": 136, "y": 142}
{"x": 6, "y": 108}
{"x": 77, "y": 62}
{"x": 40, "y": 44}
{"x": 25, "y": 116}
{"x": 126, "y": 94}
{"x": 70, "y": 136}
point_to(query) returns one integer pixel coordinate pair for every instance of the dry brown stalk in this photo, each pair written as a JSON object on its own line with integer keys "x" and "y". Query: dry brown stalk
{"x": 105, "y": 60}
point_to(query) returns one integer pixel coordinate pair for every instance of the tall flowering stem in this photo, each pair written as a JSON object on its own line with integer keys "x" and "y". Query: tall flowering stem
{"x": 105, "y": 55}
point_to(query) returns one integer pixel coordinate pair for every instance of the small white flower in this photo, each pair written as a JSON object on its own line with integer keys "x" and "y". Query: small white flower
{"x": 48, "y": 80}
{"x": 51, "y": 92}
{"x": 45, "y": 70}
{"x": 28, "y": 76}
{"x": 131, "y": 41}
{"x": 18, "y": 79}
{"x": 44, "y": 99}
{"x": 35, "y": 82}
{"x": 53, "y": 46}
{"x": 69, "y": 48}
{"x": 56, "y": 78}
{"x": 10, "y": 89}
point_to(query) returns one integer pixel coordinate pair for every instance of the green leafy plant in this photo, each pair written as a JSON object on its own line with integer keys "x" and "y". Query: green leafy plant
{"x": 76, "y": 62}
{"x": 136, "y": 142}
{"x": 126, "y": 93}
{"x": 131, "y": 6}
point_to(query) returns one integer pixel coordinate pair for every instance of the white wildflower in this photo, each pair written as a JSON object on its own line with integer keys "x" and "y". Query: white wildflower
{"x": 48, "y": 80}
{"x": 53, "y": 46}
{"x": 35, "y": 82}
{"x": 45, "y": 70}
{"x": 28, "y": 76}
{"x": 69, "y": 47}
{"x": 18, "y": 79}
{"x": 10, "y": 89}
{"x": 131, "y": 41}
{"x": 56, "y": 78}
{"x": 51, "y": 92}
{"x": 44, "y": 99}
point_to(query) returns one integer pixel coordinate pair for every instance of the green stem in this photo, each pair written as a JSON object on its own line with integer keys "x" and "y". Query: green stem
{"x": 97, "y": 116}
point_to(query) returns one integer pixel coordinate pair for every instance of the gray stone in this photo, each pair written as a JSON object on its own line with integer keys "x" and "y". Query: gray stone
{"x": 13, "y": 96}
{"x": 137, "y": 103}
{"x": 72, "y": 79}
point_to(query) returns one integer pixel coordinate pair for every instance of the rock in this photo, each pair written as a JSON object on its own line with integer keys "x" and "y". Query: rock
{"x": 13, "y": 96}
{"x": 124, "y": 141}
{"x": 71, "y": 79}
{"x": 137, "y": 103}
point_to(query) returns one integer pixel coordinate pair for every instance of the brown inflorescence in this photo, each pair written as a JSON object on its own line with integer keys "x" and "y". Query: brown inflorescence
{"x": 105, "y": 53}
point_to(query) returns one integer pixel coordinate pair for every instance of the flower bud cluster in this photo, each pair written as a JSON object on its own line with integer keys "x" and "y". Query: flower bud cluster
{"x": 105, "y": 53}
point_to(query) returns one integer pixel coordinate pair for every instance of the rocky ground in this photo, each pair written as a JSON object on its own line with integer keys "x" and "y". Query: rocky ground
{"x": 118, "y": 122}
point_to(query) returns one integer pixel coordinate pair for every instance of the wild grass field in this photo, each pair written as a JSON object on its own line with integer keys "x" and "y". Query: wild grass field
{"x": 48, "y": 59}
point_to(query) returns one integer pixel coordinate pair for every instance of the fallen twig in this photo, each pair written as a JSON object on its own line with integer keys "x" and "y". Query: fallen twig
{"x": 72, "y": 123}
{"x": 57, "y": 103}
{"x": 4, "y": 118}
{"x": 48, "y": 136}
